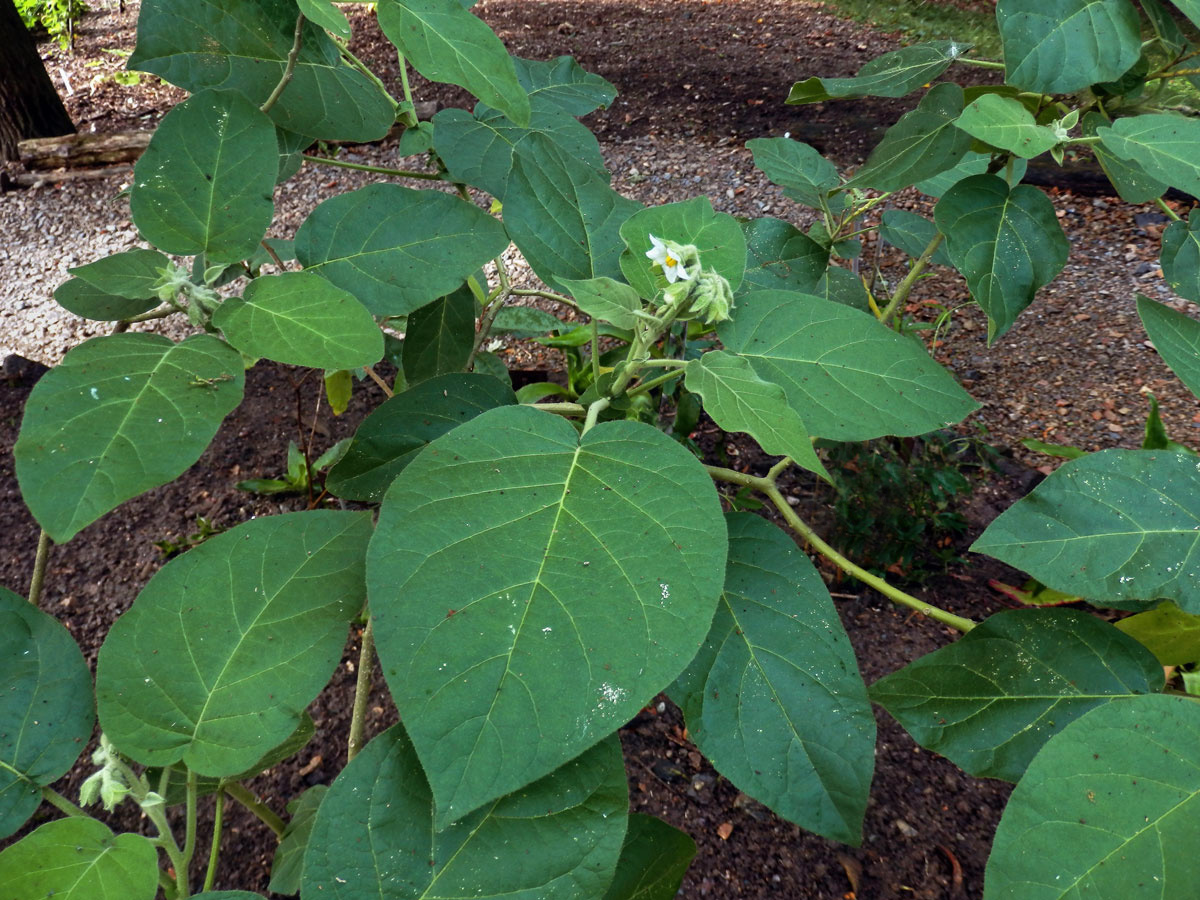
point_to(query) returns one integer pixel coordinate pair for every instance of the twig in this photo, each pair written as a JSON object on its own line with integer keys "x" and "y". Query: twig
{"x": 289, "y": 68}
{"x": 39, "y": 568}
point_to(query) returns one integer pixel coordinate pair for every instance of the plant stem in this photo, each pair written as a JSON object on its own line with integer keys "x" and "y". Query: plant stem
{"x": 289, "y": 68}
{"x": 244, "y": 796}
{"x": 980, "y": 63}
{"x": 364, "y": 69}
{"x": 379, "y": 381}
{"x": 274, "y": 256}
{"x": 378, "y": 170}
{"x": 595, "y": 351}
{"x": 362, "y": 691}
{"x": 566, "y": 409}
{"x": 1170, "y": 213}
{"x": 767, "y": 486}
{"x": 776, "y": 470}
{"x": 214, "y": 852}
{"x": 490, "y": 312}
{"x": 166, "y": 840}
{"x": 593, "y": 413}
{"x": 61, "y": 803}
{"x": 653, "y": 382}
{"x": 904, "y": 288}
{"x": 665, "y": 363}
{"x": 411, "y": 115}
{"x": 39, "y": 568}
{"x": 161, "y": 313}
{"x": 189, "y": 832}
{"x": 548, "y": 295}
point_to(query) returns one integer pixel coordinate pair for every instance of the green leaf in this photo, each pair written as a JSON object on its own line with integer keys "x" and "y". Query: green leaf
{"x": 400, "y": 427}
{"x": 229, "y": 895}
{"x": 912, "y": 234}
{"x": 415, "y": 140}
{"x": 1181, "y": 258}
{"x": 564, "y": 217}
{"x": 133, "y": 274}
{"x": 1107, "y": 809}
{"x": 595, "y": 566}
{"x": 738, "y": 400}
{"x": 303, "y": 320}
{"x": 78, "y": 858}
{"x": 1163, "y": 145}
{"x": 1172, "y": 635}
{"x": 258, "y": 612}
{"x": 605, "y": 298}
{"x": 446, "y": 43}
{"x": 46, "y": 709}
{"x": 1005, "y": 123}
{"x": 1176, "y": 337}
{"x": 1155, "y": 436}
{"x": 526, "y": 322}
{"x": 558, "y": 838}
{"x": 922, "y": 144}
{"x": 480, "y": 149}
{"x": 1059, "y": 46}
{"x": 850, "y": 377}
{"x": 204, "y": 183}
{"x": 564, "y": 84}
{"x": 339, "y": 387}
{"x": 1130, "y": 179}
{"x": 774, "y": 698}
{"x": 288, "y": 863}
{"x": 1007, "y": 244}
{"x": 77, "y": 296}
{"x": 1165, "y": 26}
{"x": 780, "y": 256}
{"x": 806, "y": 175}
{"x": 440, "y": 337}
{"x": 653, "y": 860}
{"x": 395, "y": 248}
{"x": 329, "y": 17}
{"x": 1118, "y": 525}
{"x": 120, "y": 415}
{"x": 893, "y": 74}
{"x": 971, "y": 164}
{"x": 243, "y": 46}
{"x": 989, "y": 701}
{"x": 491, "y": 365}
{"x": 717, "y": 236}
{"x": 291, "y": 153}
{"x": 842, "y": 286}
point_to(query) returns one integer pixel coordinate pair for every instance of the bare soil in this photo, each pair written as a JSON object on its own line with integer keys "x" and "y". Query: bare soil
{"x": 714, "y": 73}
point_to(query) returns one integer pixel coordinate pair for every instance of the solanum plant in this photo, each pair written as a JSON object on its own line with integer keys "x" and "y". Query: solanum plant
{"x": 532, "y": 568}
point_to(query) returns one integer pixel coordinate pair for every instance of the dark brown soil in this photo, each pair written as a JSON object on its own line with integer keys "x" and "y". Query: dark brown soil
{"x": 716, "y": 71}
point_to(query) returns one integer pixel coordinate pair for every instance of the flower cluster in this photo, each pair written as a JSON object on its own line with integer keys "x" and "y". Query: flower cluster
{"x": 692, "y": 288}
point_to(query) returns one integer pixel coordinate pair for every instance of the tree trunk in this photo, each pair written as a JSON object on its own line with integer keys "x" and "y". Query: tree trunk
{"x": 29, "y": 105}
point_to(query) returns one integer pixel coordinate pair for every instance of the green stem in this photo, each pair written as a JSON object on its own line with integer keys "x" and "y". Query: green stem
{"x": 411, "y": 115}
{"x": 980, "y": 63}
{"x": 166, "y": 840}
{"x": 39, "y": 568}
{"x": 767, "y": 486}
{"x": 378, "y": 170}
{"x": 776, "y": 470}
{"x": 362, "y": 691}
{"x": 189, "y": 832}
{"x": 266, "y": 815}
{"x": 362, "y": 67}
{"x": 548, "y": 295}
{"x": 565, "y": 409}
{"x": 665, "y": 363}
{"x": 289, "y": 68}
{"x": 652, "y": 383}
{"x": 214, "y": 852}
{"x": 593, "y": 413}
{"x": 161, "y": 313}
{"x": 595, "y": 351}
{"x": 904, "y": 288}
{"x": 61, "y": 803}
{"x": 1170, "y": 213}
{"x": 491, "y": 310}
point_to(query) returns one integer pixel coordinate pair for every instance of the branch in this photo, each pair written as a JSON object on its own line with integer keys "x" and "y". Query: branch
{"x": 289, "y": 68}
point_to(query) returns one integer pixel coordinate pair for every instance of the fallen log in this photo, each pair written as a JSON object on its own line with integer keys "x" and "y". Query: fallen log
{"x": 82, "y": 150}
{"x": 53, "y": 176}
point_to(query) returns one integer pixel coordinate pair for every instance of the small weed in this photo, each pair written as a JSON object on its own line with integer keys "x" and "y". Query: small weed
{"x": 173, "y": 546}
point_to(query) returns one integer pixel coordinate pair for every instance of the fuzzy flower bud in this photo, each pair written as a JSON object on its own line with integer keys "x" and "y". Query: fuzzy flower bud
{"x": 712, "y": 298}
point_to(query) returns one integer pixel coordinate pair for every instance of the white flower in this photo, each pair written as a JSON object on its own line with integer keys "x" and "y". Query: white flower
{"x": 669, "y": 256}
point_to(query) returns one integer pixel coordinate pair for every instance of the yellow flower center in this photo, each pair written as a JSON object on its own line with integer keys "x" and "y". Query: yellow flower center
{"x": 671, "y": 262}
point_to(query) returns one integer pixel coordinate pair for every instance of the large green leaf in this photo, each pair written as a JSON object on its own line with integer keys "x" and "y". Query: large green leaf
{"x": 557, "y": 839}
{"x": 971, "y": 164}
{"x": 1176, "y": 337}
{"x": 653, "y": 860}
{"x": 395, "y": 248}
{"x": 850, "y": 377}
{"x": 595, "y": 565}
{"x": 1007, "y": 244}
{"x": 1163, "y": 145}
{"x": 842, "y": 286}
{"x": 78, "y": 858}
{"x": 204, "y": 183}
{"x": 1118, "y": 525}
{"x": 606, "y": 299}
{"x": 805, "y": 175}
{"x": 923, "y": 143}
{"x": 325, "y": 14}
{"x": 893, "y": 74}
{"x": 389, "y": 438}
{"x": 1058, "y": 46}
{"x": 1181, "y": 257}
{"x": 46, "y": 708}
{"x": 1172, "y": 635}
{"x": 243, "y": 45}
{"x": 303, "y": 320}
{"x": 780, "y": 256}
{"x": 989, "y": 701}
{"x": 120, "y": 415}
{"x": 259, "y": 613}
{"x": 717, "y": 236}
{"x": 1109, "y": 808}
{"x": 738, "y": 400}
{"x": 446, "y": 43}
{"x": 774, "y": 698}
{"x": 288, "y": 862}
{"x": 564, "y": 84}
{"x": 440, "y": 336}
{"x": 564, "y": 217}
{"x": 133, "y": 274}
{"x": 912, "y": 234}
{"x": 1130, "y": 179}
{"x": 480, "y": 149}
{"x": 1006, "y": 123}
{"x": 77, "y": 296}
